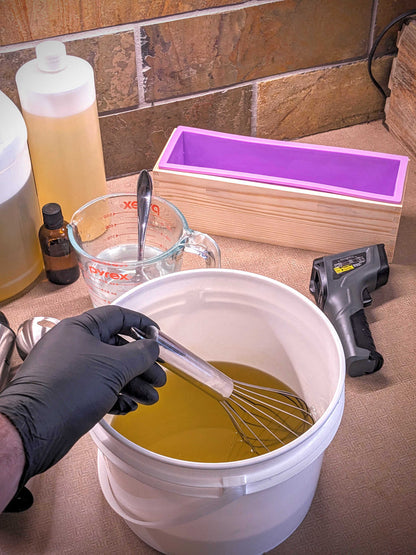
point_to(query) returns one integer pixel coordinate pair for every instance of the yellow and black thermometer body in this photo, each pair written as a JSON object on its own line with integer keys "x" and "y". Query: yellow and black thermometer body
{"x": 341, "y": 284}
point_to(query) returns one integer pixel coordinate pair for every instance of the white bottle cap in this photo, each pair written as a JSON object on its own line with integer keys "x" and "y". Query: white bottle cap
{"x": 55, "y": 84}
{"x": 51, "y": 55}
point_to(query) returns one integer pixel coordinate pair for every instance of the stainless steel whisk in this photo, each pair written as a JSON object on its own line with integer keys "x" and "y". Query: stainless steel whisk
{"x": 264, "y": 417}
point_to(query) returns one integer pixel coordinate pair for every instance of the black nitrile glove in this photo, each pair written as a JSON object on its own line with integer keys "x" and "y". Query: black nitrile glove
{"x": 79, "y": 371}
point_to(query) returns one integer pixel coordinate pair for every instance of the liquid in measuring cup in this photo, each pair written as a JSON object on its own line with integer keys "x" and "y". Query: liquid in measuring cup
{"x": 120, "y": 270}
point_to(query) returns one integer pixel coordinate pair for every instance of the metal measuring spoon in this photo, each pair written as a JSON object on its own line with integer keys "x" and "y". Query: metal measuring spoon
{"x": 31, "y": 331}
{"x": 7, "y": 341}
{"x": 144, "y": 199}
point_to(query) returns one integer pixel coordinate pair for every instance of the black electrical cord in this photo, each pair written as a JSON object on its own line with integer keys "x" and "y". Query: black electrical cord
{"x": 398, "y": 19}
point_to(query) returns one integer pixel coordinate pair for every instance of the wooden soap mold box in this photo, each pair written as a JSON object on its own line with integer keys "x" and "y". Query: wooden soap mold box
{"x": 279, "y": 214}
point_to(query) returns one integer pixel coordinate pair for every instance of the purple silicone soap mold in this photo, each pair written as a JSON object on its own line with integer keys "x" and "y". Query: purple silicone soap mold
{"x": 357, "y": 173}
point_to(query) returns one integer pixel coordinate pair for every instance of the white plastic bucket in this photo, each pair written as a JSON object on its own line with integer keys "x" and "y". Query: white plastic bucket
{"x": 242, "y": 507}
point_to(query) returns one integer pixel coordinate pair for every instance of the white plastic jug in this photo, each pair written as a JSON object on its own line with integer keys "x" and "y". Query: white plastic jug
{"x": 242, "y": 507}
{"x": 20, "y": 256}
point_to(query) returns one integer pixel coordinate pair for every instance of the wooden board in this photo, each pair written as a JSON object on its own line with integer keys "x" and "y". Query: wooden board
{"x": 401, "y": 105}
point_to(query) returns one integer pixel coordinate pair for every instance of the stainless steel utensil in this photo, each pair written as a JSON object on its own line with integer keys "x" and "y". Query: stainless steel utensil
{"x": 7, "y": 341}
{"x": 144, "y": 199}
{"x": 31, "y": 331}
{"x": 264, "y": 417}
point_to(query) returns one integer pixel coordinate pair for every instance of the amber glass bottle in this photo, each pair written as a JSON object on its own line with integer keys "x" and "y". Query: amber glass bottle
{"x": 58, "y": 255}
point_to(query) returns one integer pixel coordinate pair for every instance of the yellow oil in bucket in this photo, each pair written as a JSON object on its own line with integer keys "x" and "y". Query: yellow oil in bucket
{"x": 188, "y": 424}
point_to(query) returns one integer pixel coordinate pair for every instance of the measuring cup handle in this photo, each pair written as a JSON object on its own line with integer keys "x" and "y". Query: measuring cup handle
{"x": 204, "y": 246}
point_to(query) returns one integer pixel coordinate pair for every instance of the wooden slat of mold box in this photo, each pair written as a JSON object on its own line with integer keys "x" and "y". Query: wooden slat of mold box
{"x": 279, "y": 215}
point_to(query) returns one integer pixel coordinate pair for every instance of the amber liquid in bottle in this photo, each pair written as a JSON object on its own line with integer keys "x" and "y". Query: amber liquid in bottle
{"x": 68, "y": 147}
{"x": 59, "y": 257}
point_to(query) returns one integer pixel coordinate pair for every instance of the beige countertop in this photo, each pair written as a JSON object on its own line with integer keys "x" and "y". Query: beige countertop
{"x": 366, "y": 497}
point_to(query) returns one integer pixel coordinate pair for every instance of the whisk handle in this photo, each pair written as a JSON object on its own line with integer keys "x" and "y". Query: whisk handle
{"x": 188, "y": 365}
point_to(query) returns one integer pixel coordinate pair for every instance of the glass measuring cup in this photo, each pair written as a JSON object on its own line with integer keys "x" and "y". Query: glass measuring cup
{"x": 104, "y": 232}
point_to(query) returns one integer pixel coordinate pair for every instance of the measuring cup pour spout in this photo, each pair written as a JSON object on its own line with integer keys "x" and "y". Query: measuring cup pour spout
{"x": 144, "y": 199}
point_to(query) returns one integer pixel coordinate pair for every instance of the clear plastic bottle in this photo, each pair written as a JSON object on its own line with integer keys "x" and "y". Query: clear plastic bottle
{"x": 60, "y": 259}
{"x": 20, "y": 256}
{"x": 57, "y": 94}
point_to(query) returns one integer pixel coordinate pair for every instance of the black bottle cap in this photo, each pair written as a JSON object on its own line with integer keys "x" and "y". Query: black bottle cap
{"x": 52, "y": 215}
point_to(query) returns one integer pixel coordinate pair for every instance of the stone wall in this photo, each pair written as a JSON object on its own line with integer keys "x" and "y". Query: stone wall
{"x": 276, "y": 69}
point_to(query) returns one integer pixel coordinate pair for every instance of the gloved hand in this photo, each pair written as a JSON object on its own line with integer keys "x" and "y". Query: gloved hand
{"x": 79, "y": 371}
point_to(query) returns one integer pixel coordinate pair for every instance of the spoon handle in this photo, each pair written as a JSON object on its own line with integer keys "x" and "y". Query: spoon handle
{"x": 144, "y": 198}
